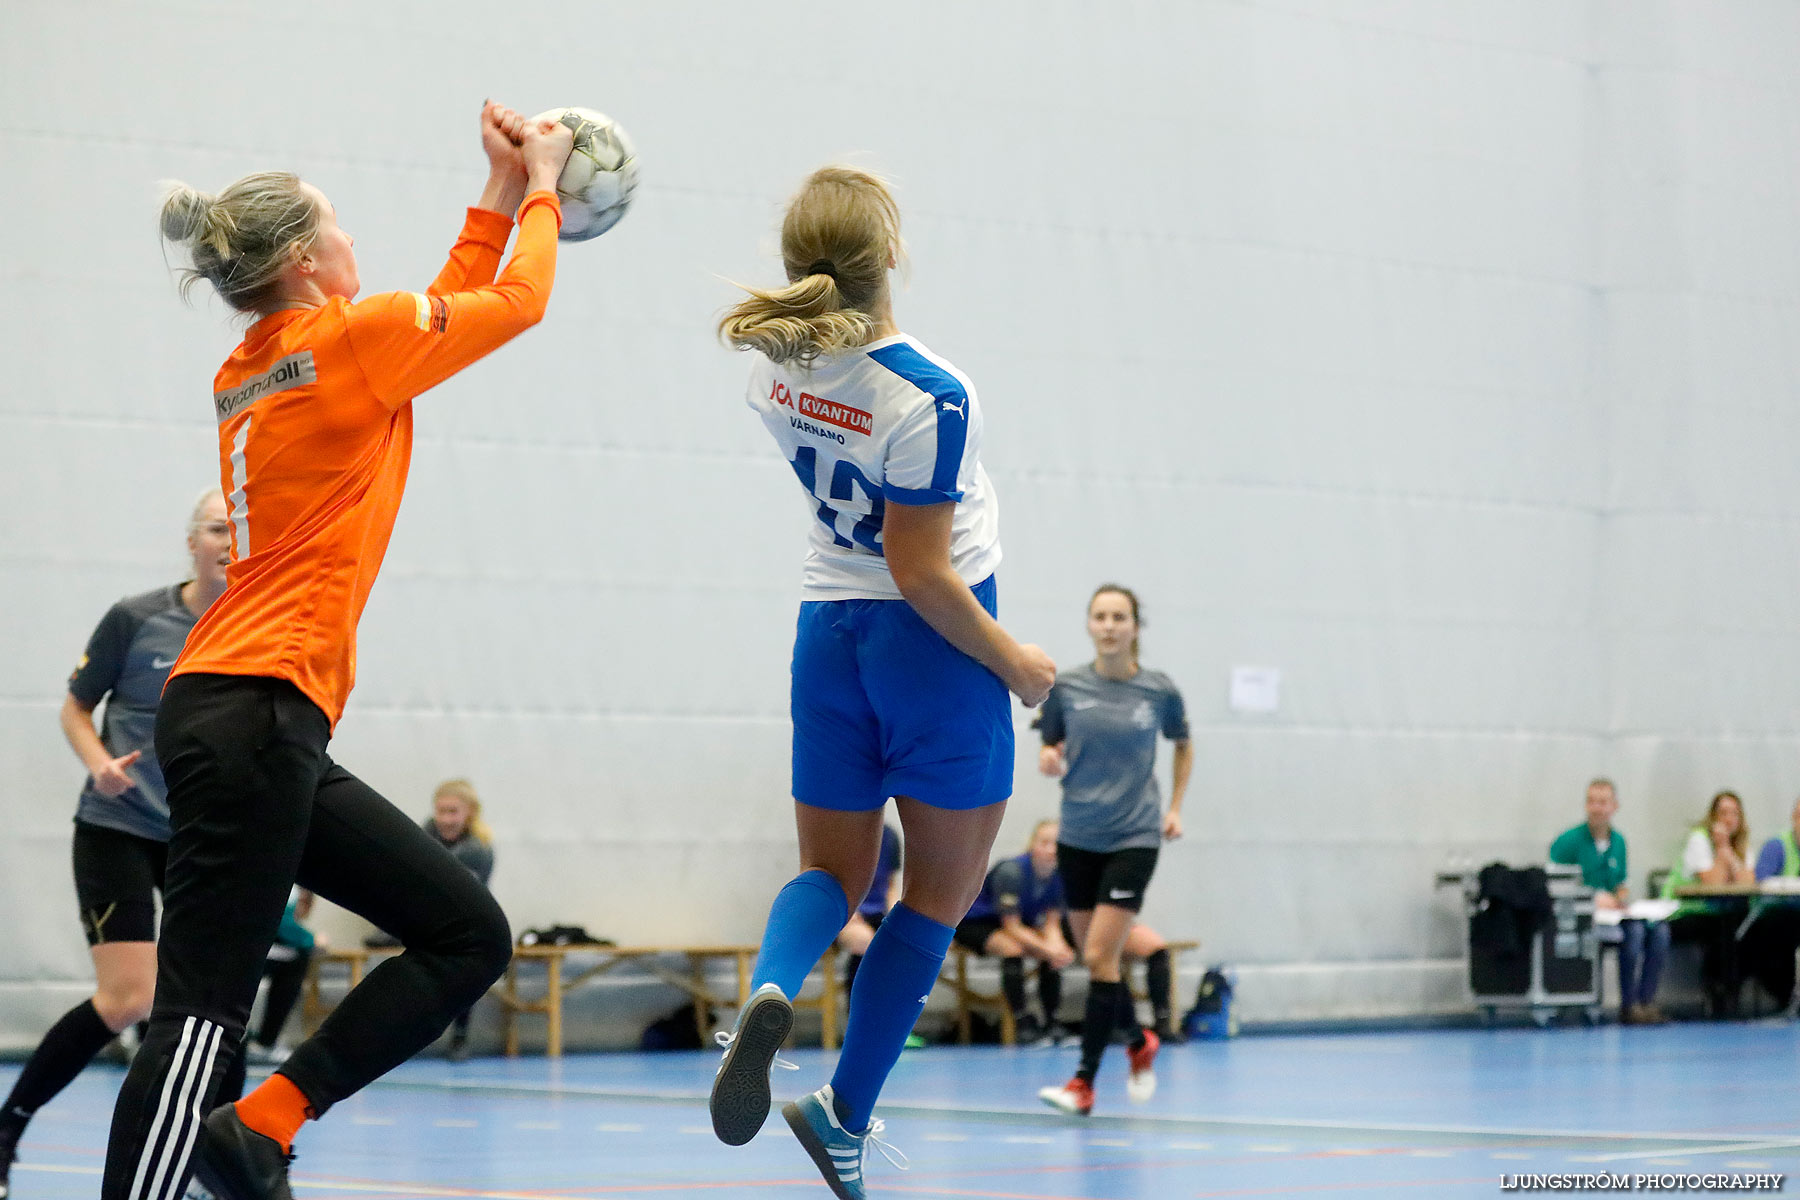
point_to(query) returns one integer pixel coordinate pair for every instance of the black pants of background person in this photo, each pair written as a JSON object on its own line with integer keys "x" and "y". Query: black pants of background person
{"x": 1720, "y": 974}
{"x": 1767, "y": 951}
{"x": 286, "y": 969}
{"x": 257, "y": 805}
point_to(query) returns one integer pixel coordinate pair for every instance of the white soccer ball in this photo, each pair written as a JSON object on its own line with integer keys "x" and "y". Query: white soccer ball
{"x": 597, "y": 183}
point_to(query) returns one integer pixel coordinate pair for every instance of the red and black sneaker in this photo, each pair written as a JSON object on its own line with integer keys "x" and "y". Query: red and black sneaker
{"x": 1142, "y": 1084}
{"x": 1075, "y": 1097}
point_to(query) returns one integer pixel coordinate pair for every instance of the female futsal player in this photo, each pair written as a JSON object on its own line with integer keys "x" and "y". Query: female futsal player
{"x": 315, "y": 430}
{"x": 900, "y": 673}
{"x": 1099, "y": 727}
{"x": 122, "y": 818}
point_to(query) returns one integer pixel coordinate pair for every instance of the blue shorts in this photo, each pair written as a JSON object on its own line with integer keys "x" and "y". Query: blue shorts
{"x": 884, "y": 706}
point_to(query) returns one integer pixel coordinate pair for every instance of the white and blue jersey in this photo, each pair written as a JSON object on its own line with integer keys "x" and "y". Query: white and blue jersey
{"x": 882, "y": 705}
{"x": 889, "y": 421}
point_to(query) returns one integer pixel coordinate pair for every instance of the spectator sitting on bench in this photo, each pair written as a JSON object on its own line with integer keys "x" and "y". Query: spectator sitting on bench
{"x": 456, "y": 823}
{"x": 884, "y": 892}
{"x": 1019, "y": 913}
{"x": 1599, "y": 850}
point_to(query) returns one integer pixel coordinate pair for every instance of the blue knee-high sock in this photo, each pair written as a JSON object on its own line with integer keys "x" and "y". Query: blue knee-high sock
{"x": 804, "y": 919}
{"x": 897, "y": 975}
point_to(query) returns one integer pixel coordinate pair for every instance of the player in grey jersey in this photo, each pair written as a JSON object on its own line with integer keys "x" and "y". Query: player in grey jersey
{"x": 1099, "y": 727}
{"x": 122, "y": 818}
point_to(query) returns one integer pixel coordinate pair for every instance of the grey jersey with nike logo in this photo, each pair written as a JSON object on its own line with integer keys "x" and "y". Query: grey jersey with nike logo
{"x": 127, "y": 662}
{"x": 1107, "y": 729}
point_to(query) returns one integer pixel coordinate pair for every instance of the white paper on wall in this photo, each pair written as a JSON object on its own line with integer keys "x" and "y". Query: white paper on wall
{"x": 1255, "y": 689}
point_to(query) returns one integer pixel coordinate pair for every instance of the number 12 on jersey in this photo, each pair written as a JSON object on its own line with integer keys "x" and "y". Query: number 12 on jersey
{"x": 844, "y": 477}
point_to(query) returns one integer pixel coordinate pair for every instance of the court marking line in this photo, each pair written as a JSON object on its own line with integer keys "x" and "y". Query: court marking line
{"x": 58, "y": 1168}
{"x": 1129, "y": 1164}
{"x": 941, "y": 1109}
{"x": 350, "y": 1184}
{"x": 1292, "y": 1189}
{"x": 328, "y": 1185}
{"x": 1782, "y": 1144}
{"x": 401, "y": 1187}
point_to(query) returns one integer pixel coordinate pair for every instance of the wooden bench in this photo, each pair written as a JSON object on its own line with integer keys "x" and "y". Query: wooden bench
{"x": 560, "y": 980}
{"x": 313, "y": 1008}
{"x": 969, "y": 999}
{"x": 559, "y": 983}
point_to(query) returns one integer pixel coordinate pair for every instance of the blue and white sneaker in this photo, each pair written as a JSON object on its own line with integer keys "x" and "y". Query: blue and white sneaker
{"x": 838, "y": 1153}
{"x": 740, "y": 1091}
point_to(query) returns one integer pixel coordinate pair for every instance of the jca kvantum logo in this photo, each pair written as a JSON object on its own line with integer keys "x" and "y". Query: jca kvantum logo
{"x": 822, "y": 410}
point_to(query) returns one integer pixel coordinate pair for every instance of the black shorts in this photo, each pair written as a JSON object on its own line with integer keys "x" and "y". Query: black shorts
{"x": 1115, "y": 877}
{"x": 116, "y": 878}
{"x": 972, "y": 933}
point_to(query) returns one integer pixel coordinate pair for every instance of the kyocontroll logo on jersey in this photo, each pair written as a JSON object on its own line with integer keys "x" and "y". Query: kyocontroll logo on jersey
{"x": 821, "y": 409}
{"x": 296, "y": 370}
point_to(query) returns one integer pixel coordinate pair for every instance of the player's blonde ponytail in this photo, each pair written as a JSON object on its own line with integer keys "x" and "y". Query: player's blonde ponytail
{"x": 241, "y": 239}
{"x": 838, "y": 239}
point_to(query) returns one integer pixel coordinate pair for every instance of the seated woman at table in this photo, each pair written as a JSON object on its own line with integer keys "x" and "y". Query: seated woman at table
{"x": 1716, "y": 853}
{"x": 1770, "y": 942}
{"x": 1019, "y": 915}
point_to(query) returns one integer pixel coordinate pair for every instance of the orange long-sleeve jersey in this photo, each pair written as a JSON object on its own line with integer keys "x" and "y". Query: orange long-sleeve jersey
{"x": 315, "y": 437}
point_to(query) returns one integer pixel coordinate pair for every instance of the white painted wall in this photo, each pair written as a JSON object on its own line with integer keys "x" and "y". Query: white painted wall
{"x": 1440, "y": 354}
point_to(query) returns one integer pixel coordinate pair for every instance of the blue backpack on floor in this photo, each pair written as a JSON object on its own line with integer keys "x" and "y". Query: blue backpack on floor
{"x": 1211, "y": 1016}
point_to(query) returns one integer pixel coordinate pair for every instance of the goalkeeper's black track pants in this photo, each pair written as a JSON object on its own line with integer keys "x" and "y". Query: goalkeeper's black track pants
{"x": 256, "y": 805}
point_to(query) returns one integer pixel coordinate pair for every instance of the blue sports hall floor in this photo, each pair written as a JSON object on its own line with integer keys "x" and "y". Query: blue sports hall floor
{"x": 1427, "y": 1114}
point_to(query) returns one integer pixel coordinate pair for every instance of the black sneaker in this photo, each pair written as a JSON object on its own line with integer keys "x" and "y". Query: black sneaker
{"x": 10, "y": 1132}
{"x": 237, "y": 1163}
{"x": 740, "y": 1091}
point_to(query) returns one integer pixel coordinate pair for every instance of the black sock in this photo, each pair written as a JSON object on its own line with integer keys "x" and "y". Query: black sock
{"x": 69, "y": 1046}
{"x": 1097, "y": 1025}
{"x": 1012, "y": 983}
{"x": 1156, "y": 972}
{"x": 851, "y": 963}
{"x": 1134, "y": 1033}
{"x": 1049, "y": 992}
